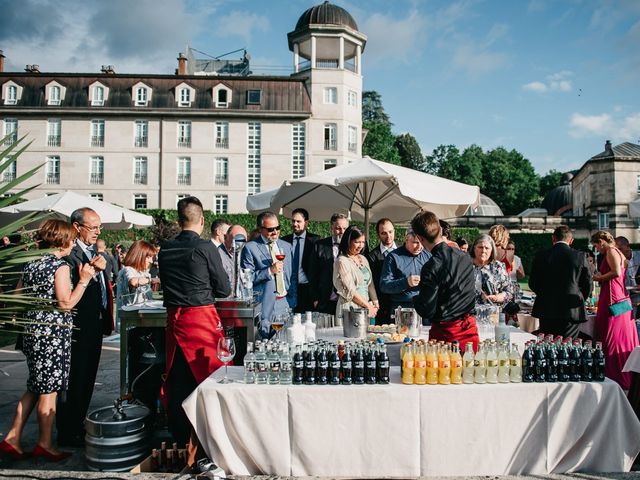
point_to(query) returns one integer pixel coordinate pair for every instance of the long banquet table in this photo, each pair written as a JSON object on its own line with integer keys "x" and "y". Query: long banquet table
{"x": 406, "y": 431}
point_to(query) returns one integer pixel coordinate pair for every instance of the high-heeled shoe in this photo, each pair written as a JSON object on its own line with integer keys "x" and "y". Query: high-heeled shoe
{"x": 9, "y": 450}
{"x": 41, "y": 453}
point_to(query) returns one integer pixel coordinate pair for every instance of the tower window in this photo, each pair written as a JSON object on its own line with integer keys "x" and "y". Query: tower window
{"x": 331, "y": 95}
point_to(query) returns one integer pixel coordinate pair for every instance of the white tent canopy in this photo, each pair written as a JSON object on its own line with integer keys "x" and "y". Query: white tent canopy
{"x": 61, "y": 205}
{"x": 369, "y": 189}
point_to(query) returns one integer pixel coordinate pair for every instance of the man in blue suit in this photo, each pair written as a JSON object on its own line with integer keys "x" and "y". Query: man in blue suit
{"x": 271, "y": 277}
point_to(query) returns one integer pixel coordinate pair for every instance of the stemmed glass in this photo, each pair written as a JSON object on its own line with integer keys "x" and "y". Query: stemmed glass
{"x": 226, "y": 352}
{"x": 277, "y": 324}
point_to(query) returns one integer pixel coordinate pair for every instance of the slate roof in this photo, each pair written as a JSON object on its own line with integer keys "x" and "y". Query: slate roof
{"x": 626, "y": 150}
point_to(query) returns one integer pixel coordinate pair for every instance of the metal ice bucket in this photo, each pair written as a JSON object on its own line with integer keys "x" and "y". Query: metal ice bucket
{"x": 408, "y": 321}
{"x": 354, "y": 322}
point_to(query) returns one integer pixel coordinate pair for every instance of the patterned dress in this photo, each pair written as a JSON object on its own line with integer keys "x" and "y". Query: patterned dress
{"x": 492, "y": 279}
{"x": 47, "y": 338}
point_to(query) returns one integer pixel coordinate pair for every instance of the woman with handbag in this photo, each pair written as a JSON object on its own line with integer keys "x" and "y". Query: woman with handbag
{"x": 614, "y": 324}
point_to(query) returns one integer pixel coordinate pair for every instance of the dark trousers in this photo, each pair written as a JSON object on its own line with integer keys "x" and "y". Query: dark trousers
{"x": 305, "y": 302}
{"x": 85, "y": 358}
{"x": 559, "y": 326}
{"x": 180, "y": 384}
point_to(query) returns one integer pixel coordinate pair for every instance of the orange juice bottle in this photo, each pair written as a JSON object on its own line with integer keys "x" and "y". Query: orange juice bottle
{"x": 456, "y": 365}
{"x": 432, "y": 365}
{"x": 444, "y": 366}
{"x": 407, "y": 366}
{"x": 420, "y": 366}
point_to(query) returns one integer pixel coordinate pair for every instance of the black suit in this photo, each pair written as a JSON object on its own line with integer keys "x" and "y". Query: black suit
{"x": 375, "y": 257}
{"x": 111, "y": 272}
{"x": 90, "y": 321}
{"x": 561, "y": 279}
{"x": 304, "y": 302}
{"x": 322, "y": 276}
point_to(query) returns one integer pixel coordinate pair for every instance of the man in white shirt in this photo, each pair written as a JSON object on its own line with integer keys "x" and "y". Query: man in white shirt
{"x": 386, "y": 236}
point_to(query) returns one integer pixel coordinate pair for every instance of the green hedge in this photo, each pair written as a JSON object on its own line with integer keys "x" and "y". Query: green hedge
{"x": 528, "y": 244}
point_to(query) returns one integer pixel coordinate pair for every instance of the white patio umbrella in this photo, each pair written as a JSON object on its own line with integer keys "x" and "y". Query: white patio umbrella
{"x": 369, "y": 189}
{"x": 61, "y": 205}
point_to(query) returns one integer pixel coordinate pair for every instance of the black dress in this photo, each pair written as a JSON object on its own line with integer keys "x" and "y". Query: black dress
{"x": 47, "y": 337}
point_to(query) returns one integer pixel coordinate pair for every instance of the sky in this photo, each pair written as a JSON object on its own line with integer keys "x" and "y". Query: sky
{"x": 553, "y": 79}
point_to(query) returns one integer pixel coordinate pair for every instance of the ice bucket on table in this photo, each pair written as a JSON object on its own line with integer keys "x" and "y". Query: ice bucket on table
{"x": 354, "y": 322}
{"x": 408, "y": 321}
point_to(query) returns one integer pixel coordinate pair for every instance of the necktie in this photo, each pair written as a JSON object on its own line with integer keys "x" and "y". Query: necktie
{"x": 296, "y": 261}
{"x": 385, "y": 253}
{"x": 100, "y": 278}
{"x": 279, "y": 277}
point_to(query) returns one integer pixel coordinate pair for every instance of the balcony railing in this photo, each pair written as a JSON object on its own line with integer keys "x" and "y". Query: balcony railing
{"x": 330, "y": 145}
{"x": 353, "y": 147}
{"x": 222, "y": 143}
{"x": 11, "y": 139}
{"x": 53, "y": 178}
{"x": 141, "y": 142}
{"x": 97, "y": 178}
{"x": 184, "y": 179}
{"x": 140, "y": 179}
{"x": 222, "y": 180}
{"x": 8, "y": 177}
{"x": 97, "y": 141}
{"x": 184, "y": 142}
{"x": 53, "y": 140}
{"x": 327, "y": 63}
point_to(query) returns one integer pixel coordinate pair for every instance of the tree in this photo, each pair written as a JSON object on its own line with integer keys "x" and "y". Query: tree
{"x": 465, "y": 168}
{"x": 409, "y": 151}
{"x": 549, "y": 181}
{"x": 380, "y": 143}
{"x": 441, "y": 155}
{"x": 510, "y": 180}
{"x": 372, "y": 109}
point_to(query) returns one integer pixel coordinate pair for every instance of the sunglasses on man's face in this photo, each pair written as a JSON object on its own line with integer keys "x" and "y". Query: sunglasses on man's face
{"x": 272, "y": 229}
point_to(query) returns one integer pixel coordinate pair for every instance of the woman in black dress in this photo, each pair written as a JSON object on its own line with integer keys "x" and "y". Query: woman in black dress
{"x": 47, "y": 338}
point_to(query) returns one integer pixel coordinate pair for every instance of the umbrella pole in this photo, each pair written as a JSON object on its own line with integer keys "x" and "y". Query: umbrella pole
{"x": 366, "y": 224}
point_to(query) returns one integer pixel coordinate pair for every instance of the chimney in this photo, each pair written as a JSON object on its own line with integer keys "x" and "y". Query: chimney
{"x": 607, "y": 147}
{"x": 1, "y": 61}
{"x": 32, "y": 68}
{"x": 182, "y": 64}
{"x": 108, "y": 69}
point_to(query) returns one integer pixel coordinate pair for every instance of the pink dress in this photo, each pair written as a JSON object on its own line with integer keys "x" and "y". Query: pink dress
{"x": 619, "y": 335}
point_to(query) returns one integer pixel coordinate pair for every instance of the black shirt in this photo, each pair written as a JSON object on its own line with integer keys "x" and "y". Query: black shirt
{"x": 191, "y": 271}
{"x": 447, "y": 285}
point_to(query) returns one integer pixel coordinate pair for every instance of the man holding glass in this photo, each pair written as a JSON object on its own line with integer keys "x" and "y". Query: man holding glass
{"x": 269, "y": 260}
{"x": 192, "y": 277}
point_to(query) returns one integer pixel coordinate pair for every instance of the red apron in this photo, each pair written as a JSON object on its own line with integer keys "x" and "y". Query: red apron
{"x": 463, "y": 330}
{"x": 196, "y": 330}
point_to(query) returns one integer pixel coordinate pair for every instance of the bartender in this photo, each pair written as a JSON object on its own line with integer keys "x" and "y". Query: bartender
{"x": 447, "y": 289}
{"x": 192, "y": 277}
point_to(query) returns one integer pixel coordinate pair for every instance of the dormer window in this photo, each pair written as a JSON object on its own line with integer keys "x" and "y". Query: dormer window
{"x": 221, "y": 96}
{"x": 98, "y": 94}
{"x": 54, "y": 93}
{"x": 185, "y": 97}
{"x": 254, "y": 97}
{"x": 141, "y": 94}
{"x": 141, "y": 97}
{"x": 11, "y": 93}
{"x": 185, "y": 94}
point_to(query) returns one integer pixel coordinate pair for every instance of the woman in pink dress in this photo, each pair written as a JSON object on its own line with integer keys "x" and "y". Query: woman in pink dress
{"x": 618, "y": 334}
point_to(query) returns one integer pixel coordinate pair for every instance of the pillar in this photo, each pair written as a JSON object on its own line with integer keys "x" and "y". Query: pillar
{"x": 341, "y": 57}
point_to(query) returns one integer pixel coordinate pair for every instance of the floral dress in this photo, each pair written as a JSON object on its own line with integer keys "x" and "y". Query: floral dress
{"x": 493, "y": 279}
{"x": 47, "y": 338}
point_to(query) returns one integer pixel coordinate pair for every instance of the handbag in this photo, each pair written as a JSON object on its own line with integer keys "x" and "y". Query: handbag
{"x": 618, "y": 308}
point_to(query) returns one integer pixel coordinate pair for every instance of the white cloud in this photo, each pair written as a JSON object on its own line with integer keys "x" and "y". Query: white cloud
{"x": 557, "y": 82}
{"x": 476, "y": 57}
{"x": 615, "y": 127}
{"x": 241, "y": 24}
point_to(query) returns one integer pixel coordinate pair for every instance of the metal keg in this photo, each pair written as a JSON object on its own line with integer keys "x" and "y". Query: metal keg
{"x": 117, "y": 438}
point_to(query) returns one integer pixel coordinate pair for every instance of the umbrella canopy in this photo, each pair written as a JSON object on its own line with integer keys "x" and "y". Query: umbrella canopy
{"x": 369, "y": 189}
{"x": 61, "y": 205}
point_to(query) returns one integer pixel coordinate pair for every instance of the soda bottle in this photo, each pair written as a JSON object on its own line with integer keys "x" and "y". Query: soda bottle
{"x": 358, "y": 366}
{"x": 503, "y": 363}
{"x": 273, "y": 360}
{"x": 575, "y": 362}
{"x": 408, "y": 366}
{"x": 444, "y": 366}
{"x": 286, "y": 374}
{"x": 298, "y": 366}
{"x": 468, "y": 368}
{"x": 551, "y": 357}
{"x": 420, "y": 365}
{"x": 539, "y": 363}
{"x": 322, "y": 367}
{"x": 261, "y": 365}
{"x": 432, "y": 364}
{"x": 492, "y": 364}
{"x": 334, "y": 366}
{"x": 456, "y": 365}
{"x": 346, "y": 366}
{"x": 310, "y": 365}
{"x": 528, "y": 370}
{"x": 480, "y": 365}
{"x": 249, "y": 365}
{"x": 564, "y": 372}
{"x": 515, "y": 365}
{"x": 598, "y": 363}
{"x": 370, "y": 365}
{"x": 383, "y": 365}
{"x": 587, "y": 362}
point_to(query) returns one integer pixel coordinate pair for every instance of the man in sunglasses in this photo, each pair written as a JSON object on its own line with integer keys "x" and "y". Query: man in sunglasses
{"x": 269, "y": 258}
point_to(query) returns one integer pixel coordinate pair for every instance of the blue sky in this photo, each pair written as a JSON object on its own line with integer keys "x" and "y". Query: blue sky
{"x": 552, "y": 79}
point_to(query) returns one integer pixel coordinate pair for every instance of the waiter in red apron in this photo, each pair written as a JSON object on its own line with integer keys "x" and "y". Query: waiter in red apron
{"x": 192, "y": 276}
{"x": 447, "y": 286}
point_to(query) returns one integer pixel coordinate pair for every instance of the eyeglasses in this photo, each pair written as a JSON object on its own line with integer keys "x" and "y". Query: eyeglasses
{"x": 96, "y": 228}
{"x": 272, "y": 229}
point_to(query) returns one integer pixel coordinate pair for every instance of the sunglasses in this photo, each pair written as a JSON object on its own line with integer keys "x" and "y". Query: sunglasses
{"x": 272, "y": 229}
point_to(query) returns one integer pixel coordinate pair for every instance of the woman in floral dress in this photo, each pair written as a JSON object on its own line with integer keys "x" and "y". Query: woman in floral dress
{"x": 47, "y": 337}
{"x": 493, "y": 284}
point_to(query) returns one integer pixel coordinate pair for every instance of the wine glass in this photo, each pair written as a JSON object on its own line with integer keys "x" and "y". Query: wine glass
{"x": 226, "y": 352}
{"x": 277, "y": 324}
{"x": 280, "y": 256}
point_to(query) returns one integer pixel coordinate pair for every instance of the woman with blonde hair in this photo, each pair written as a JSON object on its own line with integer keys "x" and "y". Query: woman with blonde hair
{"x": 500, "y": 236}
{"x": 135, "y": 273}
{"x": 614, "y": 324}
{"x": 47, "y": 338}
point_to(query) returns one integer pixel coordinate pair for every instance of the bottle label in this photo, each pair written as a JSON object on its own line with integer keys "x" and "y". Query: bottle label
{"x": 445, "y": 364}
{"x": 286, "y": 367}
{"x": 275, "y": 366}
{"x": 469, "y": 363}
{"x": 311, "y": 364}
{"x": 335, "y": 364}
{"x": 371, "y": 364}
{"x": 432, "y": 364}
{"x": 384, "y": 364}
{"x": 456, "y": 364}
{"x": 297, "y": 364}
{"x": 421, "y": 364}
{"x": 358, "y": 364}
{"x": 323, "y": 364}
{"x": 492, "y": 363}
{"x": 249, "y": 367}
{"x": 262, "y": 367}
{"x": 408, "y": 364}
{"x": 503, "y": 362}
{"x": 514, "y": 362}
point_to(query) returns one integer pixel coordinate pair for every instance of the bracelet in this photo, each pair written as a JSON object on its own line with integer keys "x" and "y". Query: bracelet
{"x": 83, "y": 284}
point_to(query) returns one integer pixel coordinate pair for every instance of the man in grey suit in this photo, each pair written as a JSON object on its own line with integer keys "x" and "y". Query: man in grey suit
{"x": 271, "y": 277}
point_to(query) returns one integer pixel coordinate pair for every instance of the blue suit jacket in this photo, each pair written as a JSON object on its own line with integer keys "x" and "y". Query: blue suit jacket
{"x": 256, "y": 257}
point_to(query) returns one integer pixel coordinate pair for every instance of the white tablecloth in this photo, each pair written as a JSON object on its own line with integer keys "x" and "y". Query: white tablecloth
{"x": 633, "y": 362}
{"x": 531, "y": 324}
{"x": 406, "y": 431}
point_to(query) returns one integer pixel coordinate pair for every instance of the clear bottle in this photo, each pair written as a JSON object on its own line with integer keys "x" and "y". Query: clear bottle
{"x": 408, "y": 366}
{"x": 515, "y": 365}
{"x": 468, "y": 369}
{"x": 286, "y": 373}
{"x": 273, "y": 361}
{"x": 261, "y": 365}
{"x": 432, "y": 364}
{"x": 492, "y": 364}
{"x": 249, "y": 365}
{"x": 420, "y": 365}
{"x": 503, "y": 363}
{"x": 309, "y": 329}
{"x": 444, "y": 366}
{"x": 456, "y": 364}
{"x": 480, "y": 365}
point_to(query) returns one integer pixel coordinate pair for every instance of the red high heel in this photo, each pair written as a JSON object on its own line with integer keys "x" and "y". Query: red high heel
{"x": 40, "y": 452}
{"x": 7, "y": 449}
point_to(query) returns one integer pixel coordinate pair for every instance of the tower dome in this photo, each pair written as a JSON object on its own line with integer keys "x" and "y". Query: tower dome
{"x": 326, "y": 14}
